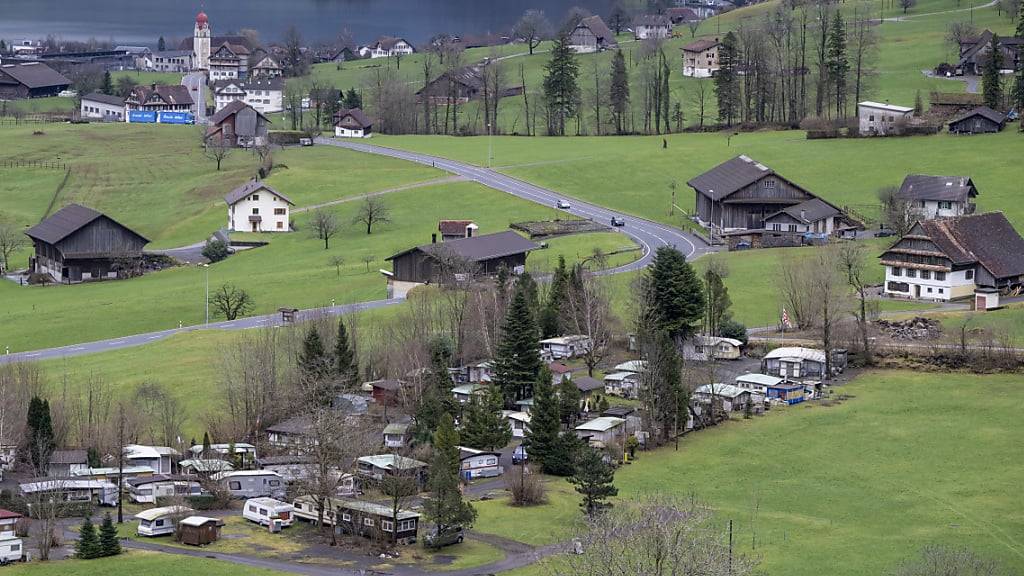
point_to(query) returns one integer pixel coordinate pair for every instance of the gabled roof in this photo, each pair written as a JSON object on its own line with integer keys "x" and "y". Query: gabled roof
{"x": 234, "y": 107}
{"x": 102, "y": 98}
{"x": 701, "y": 45}
{"x": 809, "y": 211}
{"x": 388, "y": 42}
{"x": 478, "y": 248}
{"x": 984, "y": 112}
{"x": 939, "y": 188}
{"x": 467, "y": 452}
{"x": 173, "y": 95}
{"x": 391, "y": 385}
{"x": 35, "y": 75}
{"x": 886, "y": 106}
{"x": 685, "y": 14}
{"x": 299, "y": 425}
{"x": 730, "y": 176}
{"x": 587, "y": 384}
{"x": 209, "y": 465}
{"x": 987, "y": 239}
{"x": 796, "y": 352}
{"x": 652, "y": 20}
{"x": 597, "y": 26}
{"x": 7, "y": 514}
{"x": 356, "y": 114}
{"x": 600, "y": 424}
{"x": 62, "y": 223}
{"x": 236, "y": 195}
{"x": 391, "y": 462}
{"x": 723, "y": 390}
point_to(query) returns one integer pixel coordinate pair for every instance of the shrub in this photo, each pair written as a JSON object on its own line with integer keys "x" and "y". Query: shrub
{"x": 733, "y": 329}
{"x": 526, "y": 486}
{"x": 215, "y": 250}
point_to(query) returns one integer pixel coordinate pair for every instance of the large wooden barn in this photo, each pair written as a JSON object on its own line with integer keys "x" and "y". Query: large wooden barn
{"x": 76, "y": 244}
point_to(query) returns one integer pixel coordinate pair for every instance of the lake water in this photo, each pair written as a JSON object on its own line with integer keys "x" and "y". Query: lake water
{"x": 142, "y": 22}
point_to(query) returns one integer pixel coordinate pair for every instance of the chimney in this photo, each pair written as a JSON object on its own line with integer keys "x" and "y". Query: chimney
{"x": 803, "y": 215}
{"x": 469, "y": 231}
{"x": 433, "y": 238}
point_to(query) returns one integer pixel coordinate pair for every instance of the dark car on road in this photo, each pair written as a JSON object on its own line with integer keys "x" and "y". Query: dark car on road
{"x": 616, "y": 221}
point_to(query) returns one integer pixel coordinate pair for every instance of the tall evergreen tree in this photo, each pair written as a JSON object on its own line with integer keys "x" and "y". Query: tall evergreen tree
{"x": 108, "y": 84}
{"x": 667, "y": 398}
{"x": 593, "y": 479}
{"x": 109, "y": 543}
{"x": 716, "y": 312}
{"x": 346, "y": 365}
{"x": 666, "y": 95}
{"x": 991, "y": 80}
{"x": 838, "y": 63}
{"x": 517, "y": 362}
{"x": 206, "y": 444}
{"x": 445, "y": 506}
{"x": 161, "y": 44}
{"x": 561, "y": 90}
{"x": 436, "y": 399}
{"x": 558, "y": 294}
{"x": 352, "y": 99}
{"x": 674, "y": 292}
{"x": 619, "y": 96}
{"x": 88, "y": 545}
{"x": 313, "y": 360}
{"x": 39, "y": 435}
{"x": 484, "y": 428}
{"x": 568, "y": 402}
{"x": 545, "y": 423}
{"x": 727, "y": 84}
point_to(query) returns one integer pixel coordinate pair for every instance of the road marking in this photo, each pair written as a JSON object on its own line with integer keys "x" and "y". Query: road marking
{"x": 33, "y": 355}
{"x": 77, "y": 348}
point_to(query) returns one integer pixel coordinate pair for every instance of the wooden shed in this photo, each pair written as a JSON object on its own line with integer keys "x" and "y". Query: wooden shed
{"x": 981, "y": 120}
{"x": 199, "y": 530}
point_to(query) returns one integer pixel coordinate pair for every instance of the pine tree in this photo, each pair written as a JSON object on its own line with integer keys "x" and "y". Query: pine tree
{"x": 991, "y": 80}
{"x": 346, "y": 365}
{"x": 542, "y": 438}
{"x": 568, "y": 402}
{"x": 88, "y": 545}
{"x": 619, "y": 97}
{"x": 233, "y": 456}
{"x": 561, "y": 90}
{"x": 717, "y": 301}
{"x": 352, "y": 99}
{"x": 674, "y": 292}
{"x": 593, "y": 479}
{"x": 436, "y": 399}
{"x": 727, "y": 87}
{"x": 445, "y": 506}
{"x": 108, "y": 84}
{"x": 667, "y": 399}
{"x": 93, "y": 457}
{"x": 484, "y": 427}
{"x": 161, "y": 44}
{"x": 551, "y": 314}
{"x": 838, "y": 64}
{"x": 108, "y": 541}
{"x": 517, "y": 362}
{"x": 206, "y": 444}
{"x": 39, "y": 435}
{"x": 918, "y": 104}
{"x": 313, "y": 360}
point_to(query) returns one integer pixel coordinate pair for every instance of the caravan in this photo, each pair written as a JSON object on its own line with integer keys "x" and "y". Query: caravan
{"x": 265, "y": 511}
{"x": 252, "y": 483}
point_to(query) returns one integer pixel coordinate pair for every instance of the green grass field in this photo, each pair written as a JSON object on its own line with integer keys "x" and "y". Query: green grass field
{"x": 910, "y": 460}
{"x": 137, "y": 562}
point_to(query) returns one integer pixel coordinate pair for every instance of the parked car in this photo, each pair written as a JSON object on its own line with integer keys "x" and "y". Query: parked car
{"x": 446, "y": 537}
{"x": 744, "y": 245}
{"x": 305, "y": 141}
{"x": 519, "y": 455}
{"x": 616, "y": 221}
{"x": 563, "y": 205}
{"x": 884, "y": 233}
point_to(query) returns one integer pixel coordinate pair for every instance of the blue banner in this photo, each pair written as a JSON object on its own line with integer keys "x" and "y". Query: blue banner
{"x": 142, "y": 116}
{"x": 167, "y": 117}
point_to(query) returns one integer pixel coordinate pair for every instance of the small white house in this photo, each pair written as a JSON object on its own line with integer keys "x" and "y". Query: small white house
{"x": 565, "y": 346}
{"x": 520, "y": 423}
{"x": 622, "y": 384}
{"x": 265, "y": 511}
{"x": 878, "y": 119}
{"x": 98, "y": 106}
{"x": 396, "y": 434}
{"x": 732, "y": 397}
{"x": 478, "y": 463}
{"x": 12, "y": 549}
{"x": 938, "y": 196}
{"x": 647, "y": 26}
{"x": 251, "y": 483}
{"x": 386, "y": 46}
{"x": 352, "y": 123}
{"x": 759, "y": 383}
{"x": 256, "y": 207}
{"x": 380, "y": 465}
{"x": 158, "y": 458}
{"x": 161, "y": 521}
{"x": 147, "y": 490}
{"x": 264, "y": 95}
{"x": 602, "y": 431}
{"x": 705, "y": 348}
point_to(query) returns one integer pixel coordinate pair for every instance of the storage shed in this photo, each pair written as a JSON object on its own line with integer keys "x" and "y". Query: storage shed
{"x": 199, "y": 530}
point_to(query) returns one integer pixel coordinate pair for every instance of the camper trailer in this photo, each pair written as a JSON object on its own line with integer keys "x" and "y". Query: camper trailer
{"x": 11, "y": 549}
{"x": 252, "y": 483}
{"x": 264, "y": 511}
{"x": 160, "y": 521}
{"x": 101, "y": 493}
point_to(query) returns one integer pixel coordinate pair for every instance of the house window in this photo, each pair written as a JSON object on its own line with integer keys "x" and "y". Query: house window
{"x": 871, "y": 118}
{"x": 897, "y": 271}
{"x": 275, "y": 482}
{"x": 792, "y": 227}
{"x": 255, "y": 210}
{"x": 346, "y": 516}
{"x": 367, "y": 521}
{"x": 405, "y": 525}
{"x": 969, "y": 274}
{"x": 911, "y": 273}
{"x": 233, "y": 485}
{"x": 280, "y": 225}
{"x": 255, "y": 197}
{"x": 942, "y": 290}
{"x": 387, "y": 525}
{"x": 929, "y": 290}
{"x": 941, "y": 277}
{"x": 945, "y": 205}
{"x": 926, "y": 275}
{"x": 280, "y": 211}
{"x": 769, "y": 183}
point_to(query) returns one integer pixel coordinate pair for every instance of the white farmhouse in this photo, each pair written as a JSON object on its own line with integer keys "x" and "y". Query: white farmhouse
{"x": 386, "y": 46}
{"x": 877, "y": 119}
{"x": 647, "y": 26}
{"x": 265, "y": 95}
{"x": 98, "y": 106}
{"x": 602, "y": 431}
{"x": 256, "y": 207}
{"x": 938, "y": 196}
{"x": 352, "y": 123}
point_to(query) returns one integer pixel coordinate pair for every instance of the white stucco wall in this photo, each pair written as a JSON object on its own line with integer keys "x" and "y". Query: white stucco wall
{"x": 266, "y": 204}
{"x": 955, "y": 285}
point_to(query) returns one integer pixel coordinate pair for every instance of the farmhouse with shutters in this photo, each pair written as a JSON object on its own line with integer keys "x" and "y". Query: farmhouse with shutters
{"x": 76, "y": 244}
{"x": 950, "y": 258}
{"x": 256, "y": 207}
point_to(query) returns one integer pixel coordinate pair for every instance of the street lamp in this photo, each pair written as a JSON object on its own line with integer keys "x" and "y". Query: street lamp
{"x": 207, "y": 267}
{"x": 490, "y": 145}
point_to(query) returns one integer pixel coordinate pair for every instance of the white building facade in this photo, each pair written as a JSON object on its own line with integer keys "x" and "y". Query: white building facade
{"x": 928, "y": 284}
{"x": 877, "y": 119}
{"x": 102, "y": 107}
{"x": 265, "y": 96}
{"x": 256, "y": 207}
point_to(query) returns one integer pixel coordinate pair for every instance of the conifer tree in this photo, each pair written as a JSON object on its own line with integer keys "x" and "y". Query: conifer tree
{"x": 206, "y": 444}
{"x": 346, "y": 365}
{"x": 551, "y": 313}
{"x": 161, "y": 44}
{"x": 545, "y": 422}
{"x": 593, "y": 479}
{"x": 108, "y": 84}
{"x": 918, "y": 104}
{"x": 674, "y": 293}
{"x": 561, "y": 90}
{"x": 717, "y": 302}
{"x": 991, "y": 80}
{"x": 436, "y": 399}
{"x": 619, "y": 97}
{"x": 568, "y": 402}
{"x": 88, "y": 545}
{"x": 517, "y": 362}
{"x": 39, "y": 435}
{"x": 666, "y": 397}
{"x": 838, "y": 63}
{"x": 445, "y": 506}
{"x": 108, "y": 541}
{"x": 313, "y": 357}
{"x": 727, "y": 86}
{"x": 484, "y": 428}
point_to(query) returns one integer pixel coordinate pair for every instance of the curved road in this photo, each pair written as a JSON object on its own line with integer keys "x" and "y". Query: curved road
{"x": 649, "y": 235}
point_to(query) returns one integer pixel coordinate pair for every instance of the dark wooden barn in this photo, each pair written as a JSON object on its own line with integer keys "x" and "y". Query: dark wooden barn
{"x": 78, "y": 243}
{"x": 477, "y": 254}
{"x": 981, "y": 120}
{"x": 30, "y": 80}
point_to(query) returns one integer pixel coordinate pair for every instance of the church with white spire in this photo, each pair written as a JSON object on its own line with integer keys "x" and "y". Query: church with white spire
{"x": 201, "y": 42}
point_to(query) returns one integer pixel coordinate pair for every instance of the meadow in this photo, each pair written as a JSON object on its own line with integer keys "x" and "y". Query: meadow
{"x": 135, "y": 562}
{"x": 849, "y": 489}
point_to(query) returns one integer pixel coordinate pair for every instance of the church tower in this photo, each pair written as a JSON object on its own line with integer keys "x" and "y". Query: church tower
{"x": 201, "y": 42}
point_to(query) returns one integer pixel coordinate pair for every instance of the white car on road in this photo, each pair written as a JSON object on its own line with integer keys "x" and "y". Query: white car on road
{"x": 563, "y": 205}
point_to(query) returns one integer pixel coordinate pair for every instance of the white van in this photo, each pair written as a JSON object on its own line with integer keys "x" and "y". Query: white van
{"x": 11, "y": 549}
{"x": 263, "y": 511}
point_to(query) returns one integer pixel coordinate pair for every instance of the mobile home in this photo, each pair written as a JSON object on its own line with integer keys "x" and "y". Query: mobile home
{"x": 161, "y": 521}
{"x": 475, "y": 463}
{"x": 251, "y": 483}
{"x": 265, "y": 511}
{"x": 148, "y": 490}
{"x": 101, "y": 493}
{"x": 11, "y": 549}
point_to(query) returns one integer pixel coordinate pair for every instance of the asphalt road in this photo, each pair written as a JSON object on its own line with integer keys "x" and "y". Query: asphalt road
{"x": 649, "y": 235}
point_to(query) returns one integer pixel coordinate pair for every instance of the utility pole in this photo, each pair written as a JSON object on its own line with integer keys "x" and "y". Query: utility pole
{"x": 207, "y": 266}
{"x": 490, "y": 144}
{"x": 120, "y": 464}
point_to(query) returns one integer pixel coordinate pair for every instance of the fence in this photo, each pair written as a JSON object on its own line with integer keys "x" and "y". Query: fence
{"x": 47, "y": 164}
{"x": 8, "y": 121}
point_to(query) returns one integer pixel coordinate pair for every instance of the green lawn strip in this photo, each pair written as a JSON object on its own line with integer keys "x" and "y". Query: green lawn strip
{"x": 136, "y": 562}
{"x": 469, "y": 554}
{"x": 1006, "y": 325}
{"x": 535, "y": 525}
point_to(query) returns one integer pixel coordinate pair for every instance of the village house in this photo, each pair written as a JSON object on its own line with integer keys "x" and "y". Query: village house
{"x": 475, "y": 463}
{"x": 177, "y": 61}
{"x": 161, "y": 521}
{"x": 949, "y": 258}
{"x": 386, "y": 392}
{"x": 732, "y": 398}
{"x": 99, "y": 106}
{"x": 519, "y": 422}
{"x": 559, "y": 372}
{"x": 373, "y": 520}
{"x": 587, "y": 386}
{"x": 378, "y": 466}
{"x": 77, "y": 244}
{"x": 256, "y": 207}
{"x": 634, "y": 421}
{"x": 815, "y": 216}
{"x": 591, "y": 35}
{"x": 385, "y": 47}
{"x": 700, "y": 58}
{"x": 465, "y": 393}
{"x": 647, "y": 26}
{"x": 434, "y": 262}
{"x": 291, "y": 434}
{"x": 566, "y": 346}
{"x": 795, "y": 363}
{"x": 758, "y": 383}
{"x": 938, "y": 196}
{"x": 353, "y": 123}
{"x": 160, "y": 98}
{"x": 229, "y": 61}
{"x": 238, "y": 124}
{"x": 396, "y": 434}
{"x": 265, "y": 67}
{"x": 159, "y": 458}
{"x": 603, "y": 431}
{"x": 878, "y": 119}
{"x": 975, "y": 51}
{"x": 30, "y": 80}
{"x": 981, "y": 120}
{"x": 199, "y": 530}
{"x": 264, "y": 95}
{"x": 703, "y": 348}
{"x": 64, "y": 463}
{"x": 251, "y": 483}
{"x": 455, "y": 229}
{"x": 148, "y": 490}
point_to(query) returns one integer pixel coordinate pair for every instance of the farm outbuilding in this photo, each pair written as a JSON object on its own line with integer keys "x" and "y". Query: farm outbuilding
{"x": 200, "y": 530}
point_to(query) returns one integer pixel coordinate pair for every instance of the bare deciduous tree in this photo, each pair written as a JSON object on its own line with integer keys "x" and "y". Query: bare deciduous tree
{"x": 162, "y": 414}
{"x": 371, "y": 212}
{"x": 588, "y": 312}
{"x": 898, "y": 214}
{"x": 851, "y": 258}
{"x": 11, "y": 240}
{"x": 217, "y": 149}
{"x": 338, "y": 261}
{"x": 532, "y": 28}
{"x": 957, "y": 33}
{"x": 938, "y": 560}
{"x": 231, "y": 302}
{"x": 325, "y": 224}
{"x": 252, "y": 376}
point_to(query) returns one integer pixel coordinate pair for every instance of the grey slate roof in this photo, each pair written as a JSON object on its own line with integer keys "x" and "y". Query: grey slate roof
{"x": 729, "y": 176}
{"x": 248, "y": 188}
{"x": 69, "y": 457}
{"x": 35, "y": 75}
{"x": 938, "y": 188}
{"x": 587, "y": 384}
{"x": 701, "y": 45}
{"x": 67, "y": 221}
{"x": 478, "y": 248}
{"x": 809, "y": 211}
{"x": 298, "y": 425}
{"x": 234, "y": 107}
{"x": 356, "y": 114}
{"x": 597, "y": 26}
{"x": 104, "y": 99}
{"x": 652, "y": 20}
{"x": 176, "y": 94}
{"x": 983, "y": 111}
